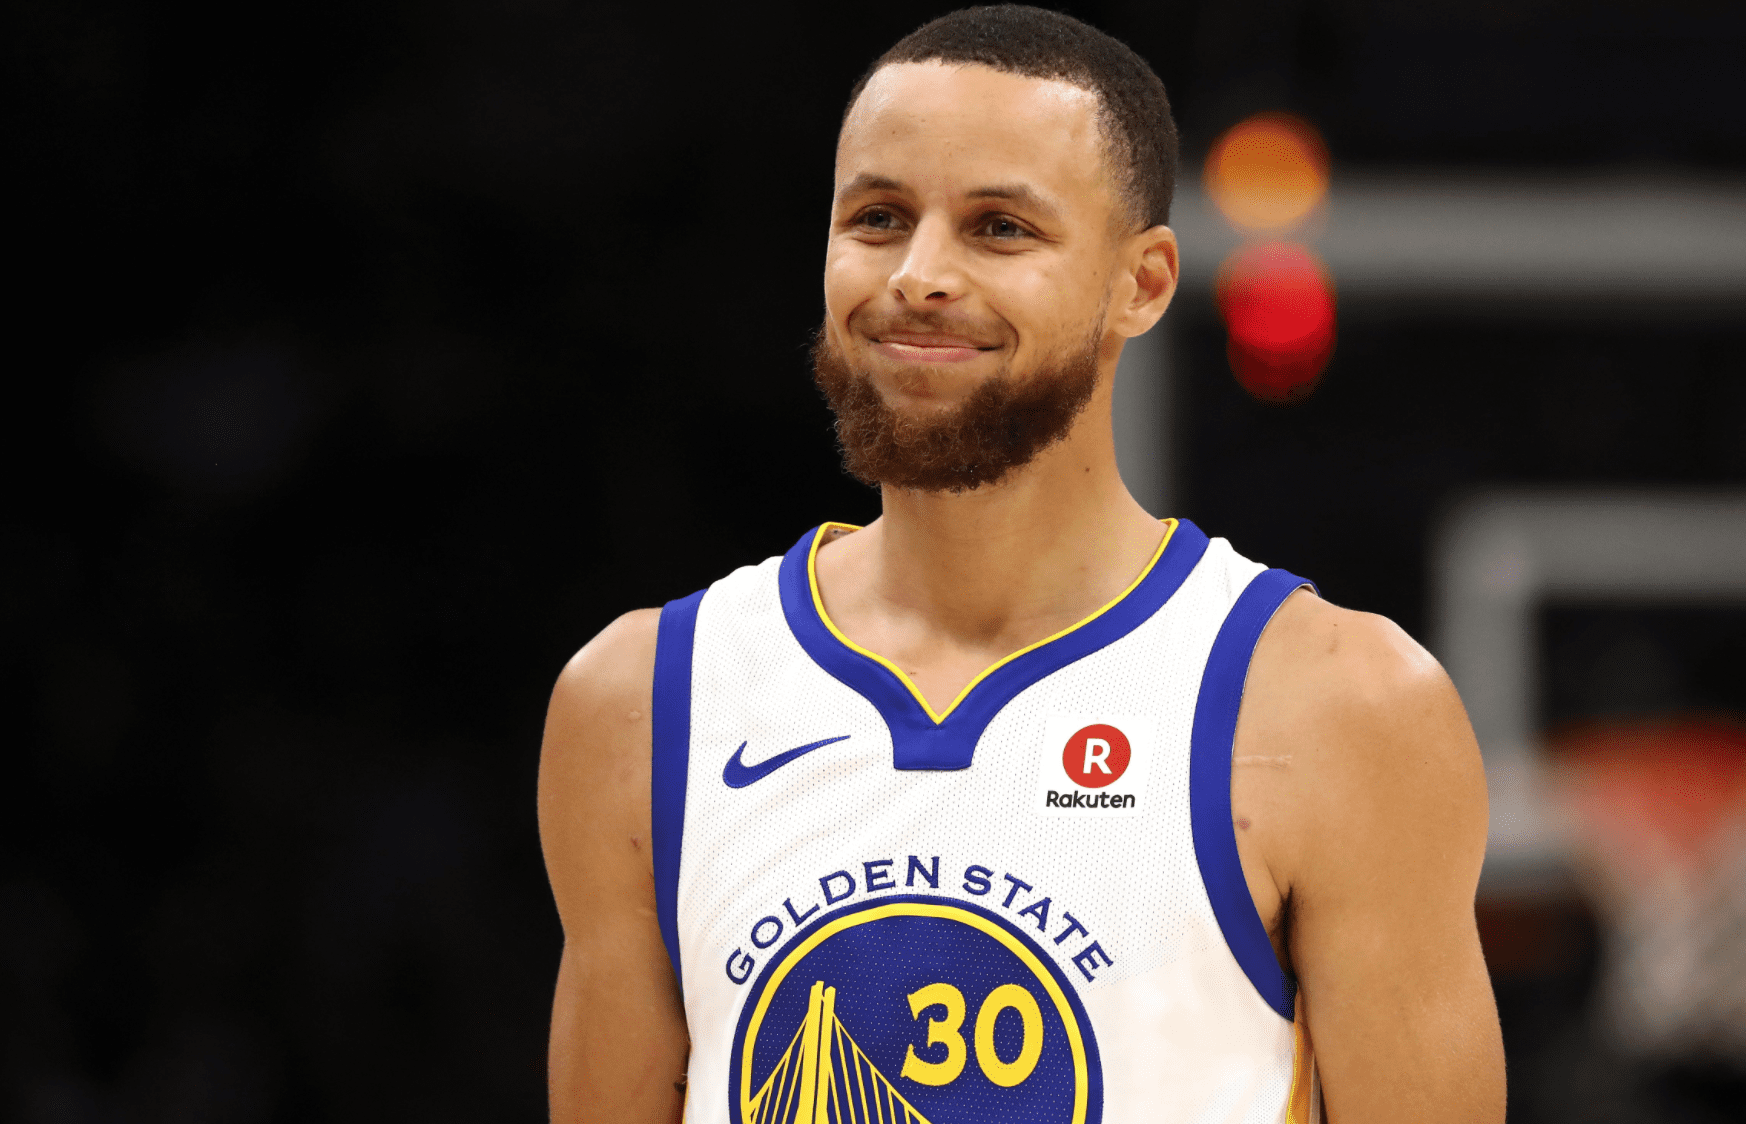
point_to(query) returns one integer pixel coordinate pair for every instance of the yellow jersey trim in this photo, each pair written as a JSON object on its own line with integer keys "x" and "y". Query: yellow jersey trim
{"x": 1299, "y": 1103}
{"x": 938, "y": 717}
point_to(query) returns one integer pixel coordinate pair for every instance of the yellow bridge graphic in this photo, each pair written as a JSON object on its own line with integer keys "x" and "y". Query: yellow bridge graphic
{"x": 825, "y": 1078}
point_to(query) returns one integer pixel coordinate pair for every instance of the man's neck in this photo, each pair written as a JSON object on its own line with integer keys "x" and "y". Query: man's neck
{"x": 944, "y": 585}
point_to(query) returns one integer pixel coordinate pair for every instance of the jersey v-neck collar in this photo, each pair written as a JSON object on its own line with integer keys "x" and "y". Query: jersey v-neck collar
{"x": 924, "y": 739}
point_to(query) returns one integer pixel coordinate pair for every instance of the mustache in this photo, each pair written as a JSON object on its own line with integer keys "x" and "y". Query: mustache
{"x": 928, "y": 323}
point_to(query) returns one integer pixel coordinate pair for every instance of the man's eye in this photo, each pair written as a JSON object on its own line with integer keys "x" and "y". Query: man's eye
{"x": 1000, "y": 227}
{"x": 878, "y": 219}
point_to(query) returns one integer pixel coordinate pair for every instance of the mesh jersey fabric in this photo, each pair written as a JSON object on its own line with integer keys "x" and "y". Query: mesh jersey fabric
{"x": 1023, "y": 931}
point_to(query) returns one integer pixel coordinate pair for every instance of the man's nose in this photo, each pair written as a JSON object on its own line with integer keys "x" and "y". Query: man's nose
{"x": 931, "y": 272}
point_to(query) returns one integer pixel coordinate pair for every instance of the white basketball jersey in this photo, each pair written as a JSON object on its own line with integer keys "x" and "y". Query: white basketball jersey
{"x": 1027, "y": 908}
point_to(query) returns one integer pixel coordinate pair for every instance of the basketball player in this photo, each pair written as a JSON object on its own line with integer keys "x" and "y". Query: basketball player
{"x": 1018, "y": 804}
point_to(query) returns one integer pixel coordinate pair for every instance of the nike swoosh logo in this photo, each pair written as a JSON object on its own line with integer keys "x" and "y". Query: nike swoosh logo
{"x": 737, "y": 774}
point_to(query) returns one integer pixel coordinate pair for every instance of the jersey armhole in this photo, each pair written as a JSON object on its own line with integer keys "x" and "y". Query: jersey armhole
{"x": 1209, "y": 786}
{"x": 670, "y": 761}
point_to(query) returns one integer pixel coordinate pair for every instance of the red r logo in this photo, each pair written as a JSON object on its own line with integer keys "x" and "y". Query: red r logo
{"x": 1096, "y": 756}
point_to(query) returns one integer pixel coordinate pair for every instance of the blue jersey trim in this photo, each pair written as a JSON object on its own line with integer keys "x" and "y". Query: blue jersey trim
{"x": 917, "y": 741}
{"x": 670, "y": 760}
{"x": 1209, "y": 786}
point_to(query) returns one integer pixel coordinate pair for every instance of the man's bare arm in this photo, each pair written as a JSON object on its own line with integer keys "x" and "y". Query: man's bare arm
{"x": 1359, "y": 786}
{"x": 618, "y": 1046}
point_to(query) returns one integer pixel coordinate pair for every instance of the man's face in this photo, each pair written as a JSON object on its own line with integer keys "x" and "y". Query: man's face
{"x": 973, "y": 238}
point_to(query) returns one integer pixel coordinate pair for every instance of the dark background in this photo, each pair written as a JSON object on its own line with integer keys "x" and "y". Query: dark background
{"x": 368, "y": 358}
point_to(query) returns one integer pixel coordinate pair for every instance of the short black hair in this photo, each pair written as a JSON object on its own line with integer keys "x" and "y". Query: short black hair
{"x": 1037, "y": 43}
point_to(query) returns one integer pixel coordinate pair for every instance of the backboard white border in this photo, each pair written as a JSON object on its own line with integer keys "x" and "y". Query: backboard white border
{"x": 1496, "y": 558}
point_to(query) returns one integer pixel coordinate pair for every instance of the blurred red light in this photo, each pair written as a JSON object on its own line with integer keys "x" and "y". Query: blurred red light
{"x": 1278, "y": 306}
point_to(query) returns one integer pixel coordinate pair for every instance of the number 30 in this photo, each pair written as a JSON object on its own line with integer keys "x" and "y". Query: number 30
{"x": 948, "y": 1031}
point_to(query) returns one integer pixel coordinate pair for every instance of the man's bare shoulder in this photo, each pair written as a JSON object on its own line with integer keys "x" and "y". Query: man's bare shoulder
{"x": 1344, "y": 666}
{"x": 1364, "y": 730}
{"x": 613, "y": 672}
{"x": 597, "y": 745}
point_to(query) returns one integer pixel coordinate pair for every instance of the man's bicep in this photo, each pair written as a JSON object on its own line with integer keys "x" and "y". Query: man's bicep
{"x": 618, "y": 1047}
{"x": 1383, "y": 938}
{"x": 618, "y": 1040}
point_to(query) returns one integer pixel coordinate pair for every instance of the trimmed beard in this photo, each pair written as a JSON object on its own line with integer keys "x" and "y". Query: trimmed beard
{"x": 1000, "y": 427}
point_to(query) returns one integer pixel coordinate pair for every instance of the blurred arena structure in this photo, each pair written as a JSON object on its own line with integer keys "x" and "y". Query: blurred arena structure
{"x": 1658, "y": 812}
{"x": 1647, "y": 812}
{"x": 1658, "y": 242}
{"x": 1497, "y": 559}
{"x": 1477, "y": 245}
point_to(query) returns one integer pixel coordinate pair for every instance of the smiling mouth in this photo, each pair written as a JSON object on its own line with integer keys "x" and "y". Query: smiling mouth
{"x": 909, "y": 348}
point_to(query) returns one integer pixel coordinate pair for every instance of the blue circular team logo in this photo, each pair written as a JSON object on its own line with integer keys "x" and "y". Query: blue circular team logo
{"x": 913, "y": 1010}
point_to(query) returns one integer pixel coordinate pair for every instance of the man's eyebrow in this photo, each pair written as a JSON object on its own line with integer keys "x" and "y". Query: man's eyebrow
{"x": 1022, "y": 194}
{"x": 867, "y": 181}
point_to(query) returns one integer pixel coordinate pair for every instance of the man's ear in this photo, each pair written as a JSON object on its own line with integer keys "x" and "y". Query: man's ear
{"x": 1150, "y": 259}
